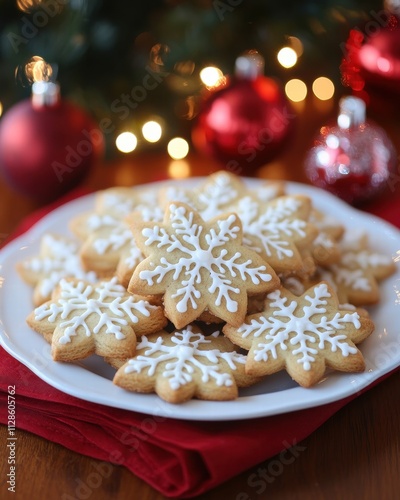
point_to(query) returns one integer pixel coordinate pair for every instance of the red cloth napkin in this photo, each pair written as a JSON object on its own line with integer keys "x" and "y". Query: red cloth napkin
{"x": 181, "y": 459}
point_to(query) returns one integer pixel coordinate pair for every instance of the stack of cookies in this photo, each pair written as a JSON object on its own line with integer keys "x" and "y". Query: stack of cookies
{"x": 198, "y": 292}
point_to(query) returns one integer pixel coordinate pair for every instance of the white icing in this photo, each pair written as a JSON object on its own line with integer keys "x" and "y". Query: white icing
{"x": 350, "y": 278}
{"x": 191, "y": 241}
{"x": 62, "y": 261}
{"x": 324, "y": 241}
{"x": 305, "y": 327}
{"x": 118, "y": 204}
{"x": 184, "y": 358}
{"x": 366, "y": 259}
{"x": 115, "y": 240}
{"x": 98, "y": 221}
{"x": 215, "y": 196}
{"x": 107, "y": 301}
{"x": 135, "y": 256}
{"x": 175, "y": 193}
{"x": 274, "y": 226}
{"x": 267, "y": 192}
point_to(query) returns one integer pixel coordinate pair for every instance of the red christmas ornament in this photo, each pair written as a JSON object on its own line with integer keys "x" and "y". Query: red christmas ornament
{"x": 47, "y": 145}
{"x": 371, "y": 63}
{"x": 247, "y": 122}
{"x": 354, "y": 159}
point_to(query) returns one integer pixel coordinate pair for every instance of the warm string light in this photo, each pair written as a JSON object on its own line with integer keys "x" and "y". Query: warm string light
{"x": 211, "y": 76}
{"x": 296, "y": 90}
{"x": 287, "y": 57}
{"x": 126, "y": 142}
{"x": 1, "y": 108}
{"x": 323, "y": 88}
{"x": 178, "y": 148}
{"x": 37, "y": 70}
{"x": 152, "y": 131}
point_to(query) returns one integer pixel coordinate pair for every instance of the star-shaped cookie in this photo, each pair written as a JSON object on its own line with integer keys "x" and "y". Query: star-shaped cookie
{"x": 185, "y": 364}
{"x": 58, "y": 258}
{"x": 303, "y": 335}
{"x": 198, "y": 265}
{"x": 103, "y": 318}
{"x": 278, "y": 230}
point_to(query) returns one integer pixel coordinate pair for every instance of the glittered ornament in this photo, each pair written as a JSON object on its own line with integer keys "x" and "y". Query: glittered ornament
{"x": 246, "y": 122}
{"x": 353, "y": 158}
{"x": 371, "y": 62}
{"x": 47, "y": 145}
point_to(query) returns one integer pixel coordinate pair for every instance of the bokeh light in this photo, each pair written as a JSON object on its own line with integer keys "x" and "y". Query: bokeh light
{"x": 1, "y": 108}
{"x": 27, "y": 5}
{"x": 323, "y": 88}
{"x": 152, "y": 131}
{"x": 126, "y": 142}
{"x": 179, "y": 169}
{"x": 37, "y": 70}
{"x": 178, "y": 148}
{"x": 211, "y": 76}
{"x": 287, "y": 57}
{"x": 296, "y": 90}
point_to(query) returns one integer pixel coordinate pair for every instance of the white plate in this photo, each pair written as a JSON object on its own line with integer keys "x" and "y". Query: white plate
{"x": 91, "y": 379}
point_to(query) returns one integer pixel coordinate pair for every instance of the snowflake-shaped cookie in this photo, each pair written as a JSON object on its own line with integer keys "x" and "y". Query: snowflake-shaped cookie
{"x": 219, "y": 194}
{"x": 278, "y": 229}
{"x": 108, "y": 240}
{"x": 129, "y": 259}
{"x": 82, "y": 319}
{"x": 105, "y": 231}
{"x": 58, "y": 258}
{"x": 357, "y": 274}
{"x": 325, "y": 248}
{"x": 302, "y": 334}
{"x": 198, "y": 265}
{"x": 183, "y": 365}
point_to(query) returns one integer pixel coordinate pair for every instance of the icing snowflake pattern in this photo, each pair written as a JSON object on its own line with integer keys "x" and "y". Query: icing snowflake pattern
{"x": 189, "y": 253}
{"x": 183, "y": 358}
{"x": 272, "y": 229}
{"x": 216, "y": 196}
{"x": 305, "y": 330}
{"x": 62, "y": 260}
{"x": 78, "y": 301}
{"x": 301, "y": 330}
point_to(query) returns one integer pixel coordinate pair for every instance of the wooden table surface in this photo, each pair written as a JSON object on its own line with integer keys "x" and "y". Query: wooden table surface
{"x": 355, "y": 454}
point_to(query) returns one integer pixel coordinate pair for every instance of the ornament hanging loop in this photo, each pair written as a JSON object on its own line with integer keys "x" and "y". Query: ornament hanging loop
{"x": 352, "y": 112}
{"x": 45, "y": 94}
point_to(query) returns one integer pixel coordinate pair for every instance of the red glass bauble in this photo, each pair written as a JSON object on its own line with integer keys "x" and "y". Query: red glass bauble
{"x": 354, "y": 159}
{"x": 245, "y": 123}
{"x": 46, "y": 150}
{"x": 371, "y": 63}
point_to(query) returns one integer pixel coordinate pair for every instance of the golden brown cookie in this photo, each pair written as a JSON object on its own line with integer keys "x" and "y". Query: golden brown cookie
{"x": 58, "y": 258}
{"x": 357, "y": 274}
{"x": 103, "y": 318}
{"x": 185, "y": 364}
{"x": 278, "y": 230}
{"x": 303, "y": 335}
{"x": 198, "y": 265}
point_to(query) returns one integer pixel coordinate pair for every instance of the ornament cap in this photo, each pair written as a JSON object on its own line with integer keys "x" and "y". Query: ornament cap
{"x": 45, "y": 94}
{"x": 352, "y": 112}
{"x": 250, "y": 65}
